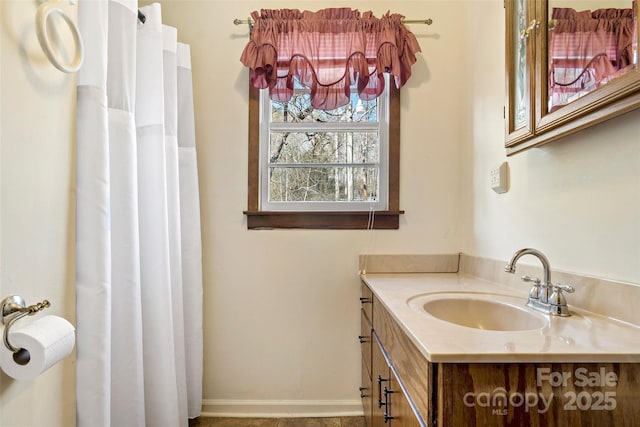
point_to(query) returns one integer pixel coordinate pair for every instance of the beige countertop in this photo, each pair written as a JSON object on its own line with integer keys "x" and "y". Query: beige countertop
{"x": 582, "y": 337}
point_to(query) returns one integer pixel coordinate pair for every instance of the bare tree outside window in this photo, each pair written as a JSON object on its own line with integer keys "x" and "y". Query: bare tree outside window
{"x": 323, "y": 156}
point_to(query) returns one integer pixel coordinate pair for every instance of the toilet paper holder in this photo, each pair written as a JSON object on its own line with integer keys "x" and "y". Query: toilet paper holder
{"x": 14, "y": 308}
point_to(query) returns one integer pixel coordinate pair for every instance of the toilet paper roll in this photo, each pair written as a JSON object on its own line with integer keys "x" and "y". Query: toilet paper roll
{"x": 47, "y": 340}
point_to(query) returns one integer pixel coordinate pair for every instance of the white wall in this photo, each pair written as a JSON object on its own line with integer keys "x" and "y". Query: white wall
{"x": 281, "y": 315}
{"x": 37, "y": 114}
{"x": 281, "y": 307}
{"x": 577, "y": 199}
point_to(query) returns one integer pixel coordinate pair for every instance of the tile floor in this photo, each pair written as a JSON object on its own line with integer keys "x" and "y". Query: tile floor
{"x": 278, "y": 422}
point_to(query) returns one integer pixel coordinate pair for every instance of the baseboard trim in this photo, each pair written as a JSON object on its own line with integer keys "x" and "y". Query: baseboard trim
{"x": 281, "y": 408}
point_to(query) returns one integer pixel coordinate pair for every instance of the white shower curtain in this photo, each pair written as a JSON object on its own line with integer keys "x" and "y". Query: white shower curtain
{"x": 138, "y": 248}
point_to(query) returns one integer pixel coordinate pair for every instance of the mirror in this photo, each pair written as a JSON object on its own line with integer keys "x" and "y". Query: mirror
{"x": 590, "y": 43}
{"x": 570, "y": 64}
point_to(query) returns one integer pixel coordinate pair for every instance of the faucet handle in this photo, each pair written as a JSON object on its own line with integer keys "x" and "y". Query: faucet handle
{"x": 557, "y": 302}
{"x": 534, "y": 293}
{"x": 557, "y": 298}
{"x": 564, "y": 288}
{"x": 534, "y": 280}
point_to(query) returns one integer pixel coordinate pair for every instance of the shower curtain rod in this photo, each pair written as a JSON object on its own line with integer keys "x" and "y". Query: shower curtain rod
{"x": 427, "y": 21}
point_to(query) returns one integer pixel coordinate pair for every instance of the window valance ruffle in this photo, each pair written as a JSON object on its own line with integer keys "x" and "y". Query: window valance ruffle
{"x": 328, "y": 51}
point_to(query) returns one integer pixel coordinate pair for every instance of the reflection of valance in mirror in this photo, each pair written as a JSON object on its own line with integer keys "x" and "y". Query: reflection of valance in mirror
{"x": 587, "y": 49}
{"x": 328, "y": 51}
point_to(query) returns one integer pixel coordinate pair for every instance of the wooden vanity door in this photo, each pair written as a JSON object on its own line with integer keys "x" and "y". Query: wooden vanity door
{"x": 391, "y": 407}
{"x": 399, "y": 407}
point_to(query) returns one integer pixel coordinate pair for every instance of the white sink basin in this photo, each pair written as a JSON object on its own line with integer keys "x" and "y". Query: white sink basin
{"x": 482, "y": 311}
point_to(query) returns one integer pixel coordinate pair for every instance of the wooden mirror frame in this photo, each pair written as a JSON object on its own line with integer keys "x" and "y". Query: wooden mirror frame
{"x": 617, "y": 97}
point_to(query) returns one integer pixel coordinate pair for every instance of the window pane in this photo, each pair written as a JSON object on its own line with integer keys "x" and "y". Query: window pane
{"x": 319, "y": 184}
{"x": 299, "y": 110}
{"x": 323, "y": 147}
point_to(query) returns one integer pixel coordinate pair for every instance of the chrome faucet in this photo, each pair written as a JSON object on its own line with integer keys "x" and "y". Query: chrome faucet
{"x": 544, "y": 295}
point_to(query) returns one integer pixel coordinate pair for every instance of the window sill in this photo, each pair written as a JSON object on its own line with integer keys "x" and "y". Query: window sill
{"x": 265, "y": 220}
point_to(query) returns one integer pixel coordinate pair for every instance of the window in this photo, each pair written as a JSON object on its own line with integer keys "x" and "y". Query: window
{"x": 311, "y": 168}
{"x": 337, "y": 169}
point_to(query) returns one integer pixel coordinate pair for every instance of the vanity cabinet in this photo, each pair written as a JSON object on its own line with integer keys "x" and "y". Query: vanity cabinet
{"x": 422, "y": 393}
{"x": 561, "y": 78}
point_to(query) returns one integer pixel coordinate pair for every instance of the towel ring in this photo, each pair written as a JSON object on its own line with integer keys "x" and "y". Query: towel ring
{"x": 42, "y": 17}
{"x": 14, "y": 308}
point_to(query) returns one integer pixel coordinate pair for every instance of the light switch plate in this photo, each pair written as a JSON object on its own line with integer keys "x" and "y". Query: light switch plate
{"x": 500, "y": 178}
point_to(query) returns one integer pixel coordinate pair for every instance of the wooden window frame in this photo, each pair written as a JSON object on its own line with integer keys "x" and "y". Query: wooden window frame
{"x": 336, "y": 220}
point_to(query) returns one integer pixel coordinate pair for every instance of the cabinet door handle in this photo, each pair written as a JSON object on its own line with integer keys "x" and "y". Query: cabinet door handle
{"x": 532, "y": 26}
{"x": 381, "y": 403}
{"x": 363, "y": 339}
{"x": 362, "y": 394}
{"x": 387, "y": 417}
{"x": 364, "y": 300}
